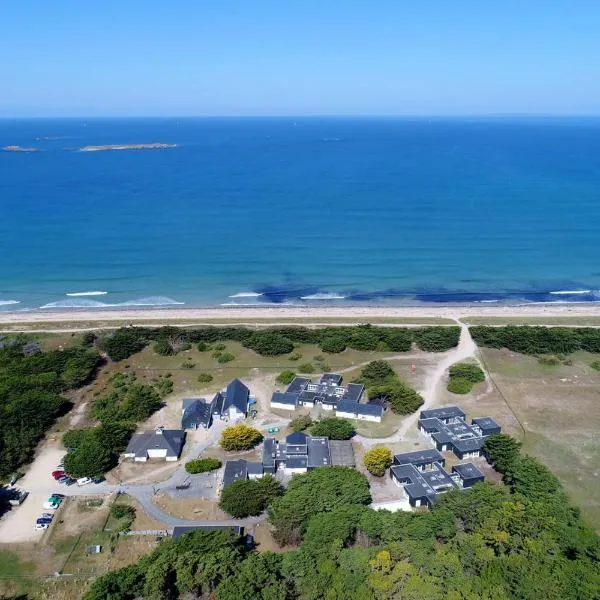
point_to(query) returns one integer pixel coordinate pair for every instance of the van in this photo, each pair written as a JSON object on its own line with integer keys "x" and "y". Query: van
{"x": 84, "y": 481}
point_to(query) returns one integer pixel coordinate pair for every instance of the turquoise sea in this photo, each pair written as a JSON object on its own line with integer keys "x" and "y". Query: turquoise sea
{"x": 301, "y": 210}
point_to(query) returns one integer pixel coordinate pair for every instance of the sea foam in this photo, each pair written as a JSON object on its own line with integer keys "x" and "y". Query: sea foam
{"x": 323, "y": 296}
{"x": 85, "y": 303}
{"x": 246, "y": 295}
{"x": 92, "y": 293}
{"x": 7, "y": 302}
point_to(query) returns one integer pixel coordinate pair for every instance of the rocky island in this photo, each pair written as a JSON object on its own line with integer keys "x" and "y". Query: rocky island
{"x": 126, "y": 147}
{"x": 19, "y": 149}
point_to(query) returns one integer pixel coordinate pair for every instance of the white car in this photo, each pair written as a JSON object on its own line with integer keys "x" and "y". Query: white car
{"x": 84, "y": 481}
{"x": 42, "y": 525}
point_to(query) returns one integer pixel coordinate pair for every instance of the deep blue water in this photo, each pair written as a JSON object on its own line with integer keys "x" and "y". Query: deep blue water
{"x": 375, "y": 210}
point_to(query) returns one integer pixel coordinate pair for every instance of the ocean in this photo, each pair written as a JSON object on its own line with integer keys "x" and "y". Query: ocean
{"x": 325, "y": 211}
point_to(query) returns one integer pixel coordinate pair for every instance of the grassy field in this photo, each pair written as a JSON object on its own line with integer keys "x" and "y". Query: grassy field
{"x": 558, "y": 407}
{"x": 590, "y": 321}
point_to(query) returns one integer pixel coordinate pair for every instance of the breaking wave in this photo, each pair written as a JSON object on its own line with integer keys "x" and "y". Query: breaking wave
{"x": 246, "y": 295}
{"x": 92, "y": 293}
{"x": 84, "y": 303}
{"x": 7, "y": 302}
{"x": 323, "y": 296}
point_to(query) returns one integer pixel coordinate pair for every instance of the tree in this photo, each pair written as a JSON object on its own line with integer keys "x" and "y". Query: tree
{"x": 269, "y": 343}
{"x": 377, "y": 371}
{"x": 163, "y": 348}
{"x": 240, "y": 437}
{"x": 321, "y": 490}
{"x": 286, "y": 377}
{"x": 124, "y": 342}
{"x": 502, "y": 451}
{"x": 301, "y": 422}
{"x": 202, "y": 465}
{"x": 377, "y": 460}
{"x": 401, "y": 397}
{"x": 437, "y": 339}
{"x": 90, "y": 459}
{"x": 249, "y": 497}
{"x": 469, "y": 371}
{"x": 333, "y": 344}
{"x": 333, "y": 428}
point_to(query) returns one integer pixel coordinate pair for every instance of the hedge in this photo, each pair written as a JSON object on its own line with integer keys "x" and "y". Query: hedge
{"x": 202, "y": 465}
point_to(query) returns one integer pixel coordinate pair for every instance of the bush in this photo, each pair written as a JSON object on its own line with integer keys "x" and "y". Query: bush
{"x": 333, "y": 428}
{"x": 188, "y": 364}
{"x": 377, "y": 371}
{"x": 240, "y": 437}
{"x": 250, "y": 497}
{"x": 301, "y": 422}
{"x": 205, "y": 378}
{"x": 295, "y": 356}
{"x": 402, "y": 399}
{"x": 437, "y": 339}
{"x": 306, "y": 368}
{"x": 269, "y": 343}
{"x": 502, "y": 451}
{"x": 595, "y": 365}
{"x": 163, "y": 348}
{"x": 286, "y": 377}
{"x": 459, "y": 385}
{"x": 223, "y": 357}
{"x": 120, "y": 511}
{"x": 202, "y": 346}
{"x": 469, "y": 371}
{"x": 332, "y": 345}
{"x": 548, "y": 361}
{"x": 377, "y": 460}
{"x": 202, "y": 465}
{"x": 125, "y": 342}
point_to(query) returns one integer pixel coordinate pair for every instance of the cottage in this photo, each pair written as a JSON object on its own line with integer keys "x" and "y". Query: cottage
{"x": 468, "y": 474}
{"x": 359, "y": 410}
{"x": 421, "y": 459}
{"x": 232, "y": 402}
{"x": 197, "y": 412}
{"x": 160, "y": 443}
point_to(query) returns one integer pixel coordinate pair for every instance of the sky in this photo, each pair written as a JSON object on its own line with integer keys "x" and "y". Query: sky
{"x": 309, "y": 57}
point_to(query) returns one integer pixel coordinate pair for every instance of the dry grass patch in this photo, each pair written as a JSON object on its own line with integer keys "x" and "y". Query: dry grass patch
{"x": 190, "y": 508}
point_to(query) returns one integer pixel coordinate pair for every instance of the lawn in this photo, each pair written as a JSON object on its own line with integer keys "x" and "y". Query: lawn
{"x": 566, "y": 321}
{"x": 558, "y": 409}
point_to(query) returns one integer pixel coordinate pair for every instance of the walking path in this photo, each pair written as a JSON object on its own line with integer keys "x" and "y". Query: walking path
{"x": 466, "y": 349}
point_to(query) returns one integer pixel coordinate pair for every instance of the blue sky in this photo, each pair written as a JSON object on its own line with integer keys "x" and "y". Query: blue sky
{"x": 277, "y": 57}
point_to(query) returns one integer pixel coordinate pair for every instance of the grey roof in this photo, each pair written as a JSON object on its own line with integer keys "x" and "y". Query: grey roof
{"x": 331, "y": 378}
{"x": 236, "y": 395}
{"x": 296, "y": 462}
{"x": 421, "y": 485}
{"x": 254, "y": 468}
{"x": 179, "y": 531}
{"x": 318, "y": 452}
{"x": 486, "y": 423}
{"x": 269, "y": 452}
{"x": 342, "y": 453}
{"x": 285, "y": 398}
{"x": 234, "y": 471}
{"x": 195, "y": 411}
{"x": 170, "y": 440}
{"x": 445, "y": 412}
{"x": 354, "y": 391}
{"x": 359, "y": 408}
{"x": 467, "y": 471}
{"x": 469, "y": 445}
{"x": 296, "y": 438}
{"x": 420, "y": 457}
{"x": 217, "y": 404}
{"x": 298, "y": 384}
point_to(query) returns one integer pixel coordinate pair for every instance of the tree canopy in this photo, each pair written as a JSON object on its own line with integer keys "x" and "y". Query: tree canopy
{"x": 333, "y": 428}
{"x": 248, "y": 497}
{"x": 240, "y": 437}
{"x": 377, "y": 460}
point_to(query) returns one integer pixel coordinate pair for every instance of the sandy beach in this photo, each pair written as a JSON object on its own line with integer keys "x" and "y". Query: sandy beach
{"x": 276, "y": 313}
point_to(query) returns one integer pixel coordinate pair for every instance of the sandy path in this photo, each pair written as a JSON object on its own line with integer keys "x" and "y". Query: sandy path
{"x": 160, "y": 315}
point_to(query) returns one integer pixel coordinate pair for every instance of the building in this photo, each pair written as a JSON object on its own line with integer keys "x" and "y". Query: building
{"x": 160, "y": 443}
{"x": 423, "y": 477}
{"x": 228, "y": 404}
{"x": 196, "y": 413}
{"x": 179, "y": 531}
{"x": 232, "y": 402}
{"x": 240, "y": 470}
{"x": 449, "y": 431}
{"x": 300, "y": 453}
{"x": 330, "y": 394}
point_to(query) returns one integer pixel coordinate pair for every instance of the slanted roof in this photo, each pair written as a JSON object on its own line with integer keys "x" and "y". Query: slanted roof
{"x": 171, "y": 440}
{"x": 217, "y": 404}
{"x": 298, "y": 438}
{"x": 234, "y": 471}
{"x": 285, "y": 398}
{"x": 269, "y": 452}
{"x": 297, "y": 385}
{"x": 254, "y": 468}
{"x": 467, "y": 471}
{"x": 420, "y": 457}
{"x": 359, "y": 408}
{"x": 195, "y": 411}
{"x": 342, "y": 453}
{"x": 236, "y": 395}
{"x": 445, "y": 412}
{"x": 318, "y": 452}
{"x": 179, "y": 531}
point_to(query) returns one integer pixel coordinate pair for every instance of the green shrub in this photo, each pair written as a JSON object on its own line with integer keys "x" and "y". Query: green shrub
{"x": 202, "y": 346}
{"x": 295, "y": 356}
{"x": 306, "y": 368}
{"x": 468, "y": 371}
{"x": 286, "y": 377}
{"x": 268, "y": 343}
{"x": 202, "y": 465}
{"x": 219, "y": 347}
{"x": 459, "y": 385}
{"x": 595, "y": 365}
{"x": 188, "y": 364}
{"x": 163, "y": 348}
{"x": 120, "y": 511}
{"x": 205, "y": 378}
{"x": 125, "y": 342}
{"x": 333, "y": 428}
{"x": 377, "y": 371}
{"x": 548, "y": 361}
{"x": 333, "y": 345}
{"x": 437, "y": 339}
{"x": 223, "y": 357}
{"x": 301, "y": 422}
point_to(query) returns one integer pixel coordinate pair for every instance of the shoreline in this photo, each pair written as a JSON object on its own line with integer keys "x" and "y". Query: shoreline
{"x": 275, "y": 312}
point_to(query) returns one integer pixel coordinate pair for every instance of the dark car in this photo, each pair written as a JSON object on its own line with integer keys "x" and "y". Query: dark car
{"x": 69, "y": 481}
{"x": 59, "y": 496}
{"x": 249, "y": 542}
{"x": 44, "y": 521}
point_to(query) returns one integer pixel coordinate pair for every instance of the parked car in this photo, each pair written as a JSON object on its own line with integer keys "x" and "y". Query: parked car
{"x": 273, "y": 430}
{"x": 16, "y": 496}
{"x": 84, "y": 481}
{"x": 249, "y": 542}
{"x": 99, "y": 479}
{"x": 47, "y": 516}
{"x": 42, "y": 525}
{"x": 59, "y": 496}
{"x": 51, "y": 505}
{"x": 58, "y": 474}
{"x": 69, "y": 481}
{"x": 48, "y": 521}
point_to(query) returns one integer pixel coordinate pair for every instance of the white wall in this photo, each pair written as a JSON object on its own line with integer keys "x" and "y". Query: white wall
{"x": 283, "y": 406}
{"x": 393, "y": 506}
{"x": 157, "y": 453}
{"x": 347, "y": 415}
